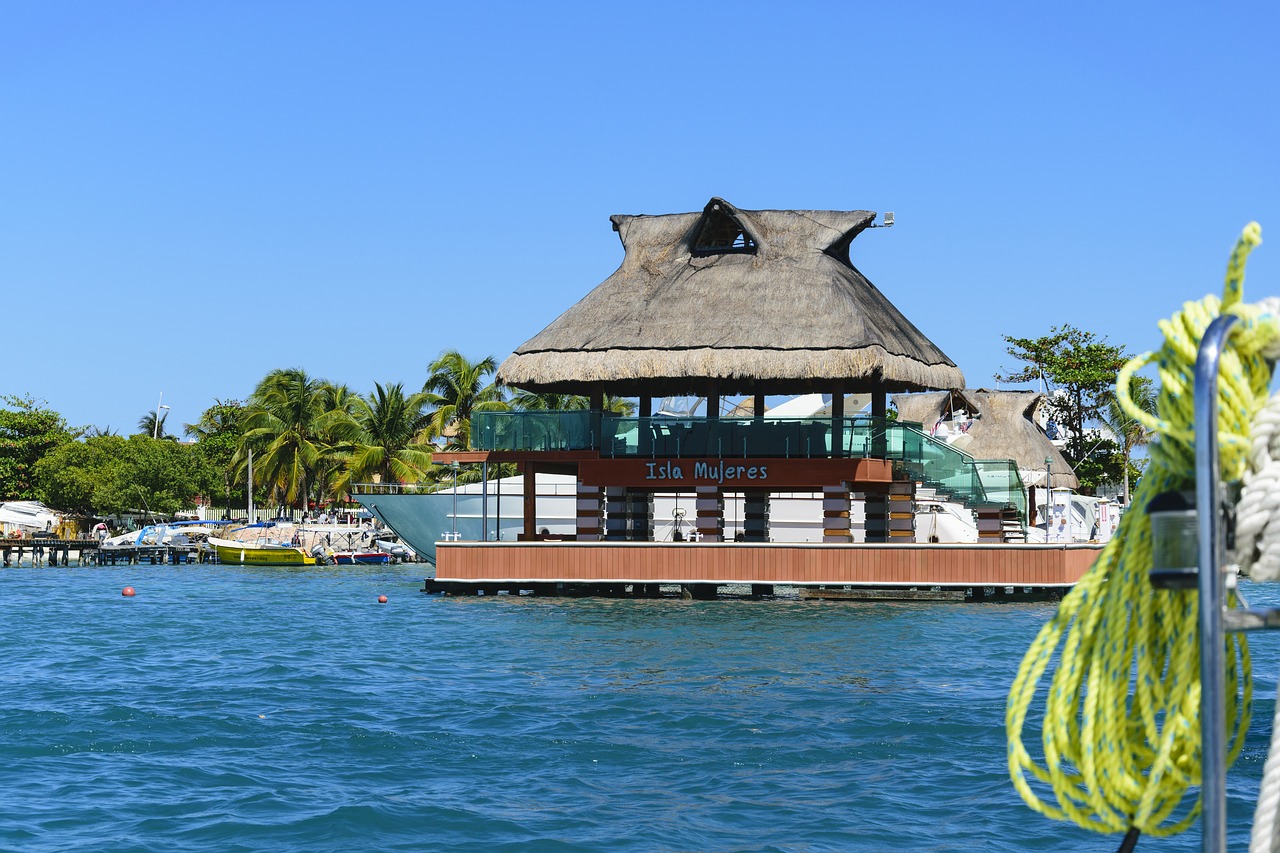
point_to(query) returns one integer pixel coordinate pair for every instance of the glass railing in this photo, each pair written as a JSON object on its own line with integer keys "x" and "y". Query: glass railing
{"x": 932, "y": 462}
{"x": 1003, "y": 484}
{"x": 800, "y": 438}
{"x": 973, "y": 482}
{"x": 787, "y": 438}
{"x": 555, "y": 430}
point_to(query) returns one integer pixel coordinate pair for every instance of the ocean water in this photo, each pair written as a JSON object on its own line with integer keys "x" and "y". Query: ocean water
{"x": 238, "y": 709}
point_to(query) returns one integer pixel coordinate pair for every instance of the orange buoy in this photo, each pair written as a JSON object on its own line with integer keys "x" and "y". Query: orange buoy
{"x": 128, "y": 592}
{"x": 382, "y": 599}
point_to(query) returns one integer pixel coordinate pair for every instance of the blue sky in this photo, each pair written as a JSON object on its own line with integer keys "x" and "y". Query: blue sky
{"x": 192, "y": 195}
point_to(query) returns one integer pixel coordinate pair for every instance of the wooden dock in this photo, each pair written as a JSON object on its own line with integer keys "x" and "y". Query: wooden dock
{"x": 46, "y": 551}
{"x": 57, "y": 552}
{"x": 970, "y": 572}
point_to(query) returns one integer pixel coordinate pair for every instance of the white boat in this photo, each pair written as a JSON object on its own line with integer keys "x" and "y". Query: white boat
{"x": 169, "y": 533}
{"x": 24, "y": 518}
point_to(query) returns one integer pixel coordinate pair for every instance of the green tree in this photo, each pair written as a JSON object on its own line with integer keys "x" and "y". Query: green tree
{"x": 218, "y": 434}
{"x": 1130, "y": 432}
{"x": 341, "y": 405}
{"x": 286, "y": 424}
{"x": 457, "y": 388}
{"x": 385, "y": 436}
{"x": 1104, "y": 462}
{"x": 148, "y": 426}
{"x": 69, "y": 477}
{"x": 532, "y": 401}
{"x": 110, "y": 474}
{"x": 28, "y": 432}
{"x": 1078, "y": 370}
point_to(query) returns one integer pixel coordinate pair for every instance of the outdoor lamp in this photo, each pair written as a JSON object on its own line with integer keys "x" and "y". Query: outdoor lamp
{"x": 1175, "y": 540}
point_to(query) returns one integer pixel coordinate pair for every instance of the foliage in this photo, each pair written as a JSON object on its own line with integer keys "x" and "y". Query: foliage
{"x": 386, "y": 437}
{"x": 1130, "y": 432}
{"x": 1079, "y": 370}
{"x": 68, "y": 477}
{"x": 286, "y": 423}
{"x": 217, "y": 435}
{"x": 110, "y": 474}
{"x": 618, "y": 405}
{"x": 458, "y": 387}
{"x": 532, "y": 401}
{"x": 1103, "y": 464}
{"x": 147, "y": 426}
{"x": 28, "y": 431}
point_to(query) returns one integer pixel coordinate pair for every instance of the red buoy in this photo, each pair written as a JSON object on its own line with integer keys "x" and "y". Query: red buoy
{"x": 382, "y": 599}
{"x": 128, "y": 592}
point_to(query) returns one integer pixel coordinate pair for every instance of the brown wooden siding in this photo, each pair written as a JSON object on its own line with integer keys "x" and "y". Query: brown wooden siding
{"x": 868, "y": 565}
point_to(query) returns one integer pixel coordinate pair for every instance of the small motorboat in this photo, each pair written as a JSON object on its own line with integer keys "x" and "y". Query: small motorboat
{"x": 267, "y": 543}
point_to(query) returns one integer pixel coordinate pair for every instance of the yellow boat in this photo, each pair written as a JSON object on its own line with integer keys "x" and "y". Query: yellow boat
{"x": 260, "y": 545}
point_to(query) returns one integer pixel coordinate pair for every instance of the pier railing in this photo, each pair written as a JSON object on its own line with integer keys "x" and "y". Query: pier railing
{"x": 934, "y": 463}
{"x": 681, "y": 438}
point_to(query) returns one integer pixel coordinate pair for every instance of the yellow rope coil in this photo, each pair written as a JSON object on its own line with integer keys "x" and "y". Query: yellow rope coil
{"x": 1120, "y": 732}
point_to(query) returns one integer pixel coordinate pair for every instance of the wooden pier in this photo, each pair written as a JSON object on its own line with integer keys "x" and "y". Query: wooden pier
{"x": 57, "y": 552}
{"x": 46, "y": 551}
{"x": 978, "y": 572}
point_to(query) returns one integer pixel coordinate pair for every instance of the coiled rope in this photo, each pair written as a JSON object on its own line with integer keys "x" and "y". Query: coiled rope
{"x": 1257, "y": 552}
{"x": 1120, "y": 730}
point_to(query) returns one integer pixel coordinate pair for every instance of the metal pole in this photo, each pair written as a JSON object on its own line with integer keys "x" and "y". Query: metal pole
{"x": 1213, "y": 752}
{"x": 155, "y": 428}
{"x": 455, "y": 501}
{"x": 484, "y": 502}
{"x": 1048, "y": 496}
{"x": 250, "y": 506}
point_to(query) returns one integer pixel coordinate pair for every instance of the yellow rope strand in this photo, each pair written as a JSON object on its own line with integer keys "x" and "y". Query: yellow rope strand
{"x": 1120, "y": 731}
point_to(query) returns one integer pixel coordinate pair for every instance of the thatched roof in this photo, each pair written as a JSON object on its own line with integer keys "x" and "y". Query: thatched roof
{"x": 754, "y": 301}
{"x": 1005, "y": 429}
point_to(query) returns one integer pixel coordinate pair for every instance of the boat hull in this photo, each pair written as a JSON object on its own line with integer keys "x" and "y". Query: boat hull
{"x": 363, "y": 559}
{"x": 248, "y": 554}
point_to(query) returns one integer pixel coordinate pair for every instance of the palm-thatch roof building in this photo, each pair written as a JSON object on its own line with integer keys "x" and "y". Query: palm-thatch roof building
{"x": 731, "y": 301}
{"x": 997, "y": 425}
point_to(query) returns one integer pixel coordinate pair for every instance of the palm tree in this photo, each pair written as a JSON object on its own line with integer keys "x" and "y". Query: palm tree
{"x": 532, "y": 401}
{"x": 218, "y": 434}
{"x": 147, "y": 426}
{"x": 1130, "y": 432}
{"x": 457, "y": 388}
{"x": 221, "y": 418}
{"x": 340, "y": 404}
{"x": 286, "y": 424}
{"x": 618, "y": 405}
{"x": 385, "y": 437}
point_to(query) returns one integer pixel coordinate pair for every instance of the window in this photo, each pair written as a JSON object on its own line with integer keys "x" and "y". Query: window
{"x": 722, "y": 233}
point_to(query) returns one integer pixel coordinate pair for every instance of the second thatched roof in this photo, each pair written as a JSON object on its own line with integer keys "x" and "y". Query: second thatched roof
{"x": 1005, "y": 428}
{"x": 739, "y": 301}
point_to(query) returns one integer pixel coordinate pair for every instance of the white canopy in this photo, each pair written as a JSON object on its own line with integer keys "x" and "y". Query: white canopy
{"x": 29, "y": 515}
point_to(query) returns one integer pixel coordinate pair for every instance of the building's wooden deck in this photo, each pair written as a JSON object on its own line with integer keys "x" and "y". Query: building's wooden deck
{"x": 636, "y": 568}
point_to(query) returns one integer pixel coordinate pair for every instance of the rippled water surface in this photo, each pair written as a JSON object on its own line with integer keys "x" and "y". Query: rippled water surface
{"x": 241, "y": 709}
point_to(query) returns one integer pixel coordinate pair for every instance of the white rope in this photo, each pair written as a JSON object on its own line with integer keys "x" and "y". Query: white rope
{"x": 1258, "y": 553}
{"x": 1257, "y": 548}
{"x": 1265, "y": 838}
